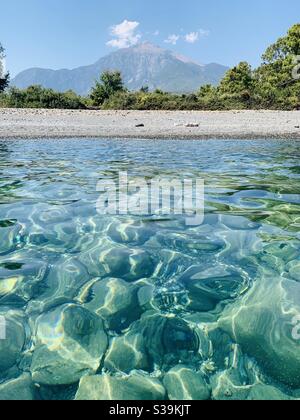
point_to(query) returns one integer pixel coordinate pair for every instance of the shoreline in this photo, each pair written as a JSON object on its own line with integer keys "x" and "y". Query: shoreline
{"x": 60, "y": 124}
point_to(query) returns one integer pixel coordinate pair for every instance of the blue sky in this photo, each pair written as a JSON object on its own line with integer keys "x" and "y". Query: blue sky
{"x": 69, "y": 33}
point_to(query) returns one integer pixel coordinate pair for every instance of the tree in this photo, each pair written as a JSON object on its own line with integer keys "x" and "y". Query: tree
{"x": 237, "y": 86}
{"x": 277, "y": 85}
{"x": 284, "y": 47}
{"x": 206, "y": 91}
{"x": 110, "y": 83}
{"x": 39, "y": 97}
{"x": 209, "y": 98}
{"x": 145, "y": 89}
{"x": 238, "y": 80}
{"x": 4, "y": 77}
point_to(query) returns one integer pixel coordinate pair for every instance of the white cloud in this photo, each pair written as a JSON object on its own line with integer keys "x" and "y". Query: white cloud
{"x": 156, "y": 33}
{"x": 193, "y": 37}
{"x": 124, "y": 34}
{"x": 172, "y": 39}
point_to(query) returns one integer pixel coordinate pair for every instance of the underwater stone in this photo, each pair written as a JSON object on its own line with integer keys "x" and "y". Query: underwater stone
{"x": 126, "y": 354}
{"x": 285, "y": 251}
{"x": 70, "y": 343}
{"x": 221, "y": 347}
{"x": 207, "y": 288}
{"x": 116, "y": 261}
{"x": 236, "y": 382}
{"x": 293, "y": 268}
{"x": 261, "y": 322}
{"x": 60, "y": 286}
{"x": 57, "y": 393}
{"x": 9, "y": 290}
{"x": 145, "y": 294}
{"x": 226, "y": 387}
{"x": 53, "y": 229}
{"x": 182, "y": 383}
{"x": 127, "y": 264}
{"x": 238, "y": 222}
{"x": 133, "y": 233}
{"x": 261, "y": 392}
{"x": 10, "y": 236}
{"x": 204, "y": 344}
{"x": 272, "y": 263}
{"x": 20, "y": 389}
{"x": 115, "y": 300}
{"x": 15, "y": 336}
{"x": 172, "y": 264}
{"x": 191, "y": 244}
{"x": 167, "y": 339}
{"x": 128, "y": 388}
{"x": 20, "y": 277}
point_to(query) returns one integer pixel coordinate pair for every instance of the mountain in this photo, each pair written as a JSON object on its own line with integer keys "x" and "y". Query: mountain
{"x": 141, "y": 65}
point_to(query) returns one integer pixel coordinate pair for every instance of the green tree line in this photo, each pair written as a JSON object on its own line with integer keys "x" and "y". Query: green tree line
{"x": 275, "y": 84}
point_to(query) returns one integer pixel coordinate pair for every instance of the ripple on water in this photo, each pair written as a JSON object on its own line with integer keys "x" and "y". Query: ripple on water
{"x": 11, "y": 237}
{"x": 21, "y": 277}
{"x": 147, "y": 307}
{"x": 70, "y": 343}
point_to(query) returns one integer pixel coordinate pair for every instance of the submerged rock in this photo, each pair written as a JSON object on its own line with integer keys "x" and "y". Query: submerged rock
{"x": 128, "y": 264}
{"x": 156, "y": 340}
{"x": 167, "y": 340}
{"x": 283, "y": 250}
{"x": 261, "y": 392}
{"x": 10, "y": 236}
{"x": 61, "y": 285}
{"x": 206, "y": 288}
{"x": 237, "y": 223}
{"x": 262, "y": 323}
{"x": 182, "y": 383}
{"x": 226, "y": 387}
{"x": 191, "y": 244}
{"x": 293, "y": 268}
{"x": 236, "y": 382}
{"x": 20, "y": 278}
{"x": 115, "y": 300}
{"x": 131, "y": 232}
{"x": 12, "y": 339}
{"x": 54, "y": 228}
{"x": 121, "y": 388}
{"x": 127, "y": 353}
{"x": 111, "y": 260}
{"x": 221, "y": 347}
{"x": 70, "y": 343}
{"x": 57, "y": 393}
{"x": 20, "y": 389}
{"x": 172, "y": 265}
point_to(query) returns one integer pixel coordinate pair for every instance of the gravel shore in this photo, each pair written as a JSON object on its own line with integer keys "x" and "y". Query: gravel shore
{"x": 38, "y": 123}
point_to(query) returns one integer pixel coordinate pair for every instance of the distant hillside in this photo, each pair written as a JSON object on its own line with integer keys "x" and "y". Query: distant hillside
{"x": 141, "y": 65}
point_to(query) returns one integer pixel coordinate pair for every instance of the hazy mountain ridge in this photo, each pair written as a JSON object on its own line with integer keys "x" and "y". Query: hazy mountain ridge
{"x": 141, "y": 65}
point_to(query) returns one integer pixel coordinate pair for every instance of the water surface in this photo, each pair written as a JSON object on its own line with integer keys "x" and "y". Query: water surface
{"x": 201, "y": 312}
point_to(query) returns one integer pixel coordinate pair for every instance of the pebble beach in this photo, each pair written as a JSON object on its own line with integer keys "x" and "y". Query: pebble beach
{"x": 39, "y": 123}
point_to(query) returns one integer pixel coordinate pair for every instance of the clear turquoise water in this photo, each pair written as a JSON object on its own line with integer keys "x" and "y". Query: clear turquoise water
{"x": 211, "y": 309}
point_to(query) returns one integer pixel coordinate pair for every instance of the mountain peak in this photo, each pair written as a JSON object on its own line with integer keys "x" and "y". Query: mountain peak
{"x": 144, "y": 64}
{"x": 147, "y": 47}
